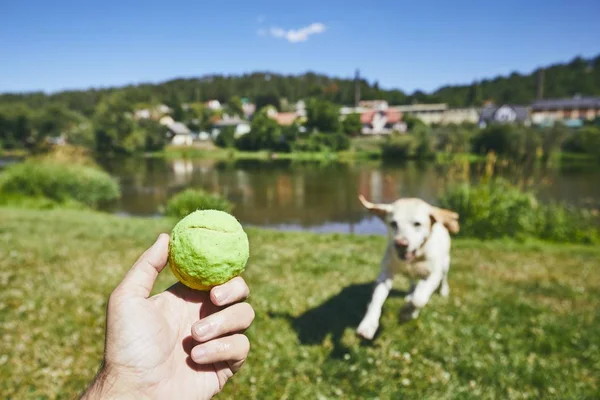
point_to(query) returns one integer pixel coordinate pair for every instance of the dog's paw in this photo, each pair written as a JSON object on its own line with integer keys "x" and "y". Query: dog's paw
{"x": 367, "y": 330}
{"x": 445, "y": 291}
{"x": 409, "y": 312}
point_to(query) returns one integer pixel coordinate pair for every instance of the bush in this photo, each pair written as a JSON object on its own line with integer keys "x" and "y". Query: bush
{"x": 454, "y": 138}
{"x": 190, "y": 200}
{"x": 423, "y": 144}
{"x": 68, "y": 155}
{"x": 226, "y": 137}
{"x": 318, "y": 142}
{"x": 585, "y": 140}
{"x": 398, "y": 148}
{"x": 499, "y": 209}
{"x": 499, "y": 138}
{"x": 59, "y": 182}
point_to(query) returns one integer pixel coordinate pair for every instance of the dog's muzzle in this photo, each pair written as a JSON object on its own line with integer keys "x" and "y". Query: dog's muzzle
{"x": 401, "y": 246}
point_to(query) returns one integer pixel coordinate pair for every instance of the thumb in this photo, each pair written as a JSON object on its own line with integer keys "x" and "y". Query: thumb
{"x": 141, "y": 277}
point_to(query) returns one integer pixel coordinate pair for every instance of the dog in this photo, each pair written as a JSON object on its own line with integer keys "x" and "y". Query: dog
{"x": 418, "y": 247}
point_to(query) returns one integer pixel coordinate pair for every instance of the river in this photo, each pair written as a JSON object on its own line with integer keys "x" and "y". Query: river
{"x": 321, "y": 197}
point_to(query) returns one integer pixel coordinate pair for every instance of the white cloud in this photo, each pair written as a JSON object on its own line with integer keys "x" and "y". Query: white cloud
{"x": 297, "y": 35}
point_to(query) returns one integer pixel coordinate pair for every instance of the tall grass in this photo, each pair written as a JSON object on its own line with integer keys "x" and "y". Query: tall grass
{"x": 191, "y": 200}
{"x": 497, "y": 208}
{"x": 53, "y": 181}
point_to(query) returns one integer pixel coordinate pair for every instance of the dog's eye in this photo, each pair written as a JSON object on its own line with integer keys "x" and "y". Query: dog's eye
{"x": 394, "y": 225}
{"x": 417, "y": 224}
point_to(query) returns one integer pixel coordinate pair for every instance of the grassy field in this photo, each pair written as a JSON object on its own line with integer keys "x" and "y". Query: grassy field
{"x": 522, "y": 320}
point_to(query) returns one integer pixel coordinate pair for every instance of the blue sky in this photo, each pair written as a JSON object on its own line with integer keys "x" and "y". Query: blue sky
{"x": 55, "y": 45}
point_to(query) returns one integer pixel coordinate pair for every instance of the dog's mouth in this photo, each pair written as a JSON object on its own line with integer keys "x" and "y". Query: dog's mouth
{"x": 406, "y": 255}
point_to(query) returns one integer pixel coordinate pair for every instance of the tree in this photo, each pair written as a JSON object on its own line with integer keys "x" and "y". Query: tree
{"x": 502, "y": 139}
{"x": 18, "y": 126}
{"x": 154, "y": 134}
{"x": 267, "y": 99}
{"x": 234, "y": 106}
{"x": 265, "y": 133}
{"x": 226, "y": 137}
{"x": 322, "y": 115}
{"x": 57, "y": 120}
{"x": 351, "y": 124}
{"x": 412, "y": 122}
{"x": 114, "y": 127}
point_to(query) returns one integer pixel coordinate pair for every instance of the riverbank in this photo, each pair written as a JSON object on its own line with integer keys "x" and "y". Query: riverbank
{"x": 521, "y": 320}
{"x": 355, "y": 154}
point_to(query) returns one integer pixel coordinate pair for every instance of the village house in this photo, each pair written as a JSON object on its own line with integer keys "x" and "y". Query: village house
{"x": 571, "y": 111}
{"x": 240, "y": 126}
{"x": 460, "y": 116}
{"x": 166, "y": 120}
{"x": 428, "y": 113}
{"x": 179, "y": 134}
{"x": 213, "y": 105}
{"x": 154, "y": 113}
{"x": 381, "y": 122}
{"x": 506, "y": 114}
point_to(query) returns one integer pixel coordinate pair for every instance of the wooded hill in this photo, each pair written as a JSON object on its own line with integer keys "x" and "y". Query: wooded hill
{"x": 579, "y": 76}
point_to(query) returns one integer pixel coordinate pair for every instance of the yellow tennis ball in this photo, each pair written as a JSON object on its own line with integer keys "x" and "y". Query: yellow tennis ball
{"x": 208, "y": 248}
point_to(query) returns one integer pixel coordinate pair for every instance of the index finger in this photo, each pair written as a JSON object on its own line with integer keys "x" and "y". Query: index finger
{"x": 230, "y": 292}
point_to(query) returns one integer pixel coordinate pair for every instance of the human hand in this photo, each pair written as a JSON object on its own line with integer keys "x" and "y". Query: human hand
{"x": 181, "y": 343}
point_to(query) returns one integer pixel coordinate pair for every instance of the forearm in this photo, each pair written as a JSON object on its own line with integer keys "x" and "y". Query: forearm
{"x": 108, "y": 385}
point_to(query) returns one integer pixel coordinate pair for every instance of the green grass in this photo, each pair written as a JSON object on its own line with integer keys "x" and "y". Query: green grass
{"x": 522, "y": 320}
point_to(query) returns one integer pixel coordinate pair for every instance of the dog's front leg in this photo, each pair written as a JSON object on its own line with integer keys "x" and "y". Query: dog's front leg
{"x": 424, "y": 290}
{"x": 370, "y": 322}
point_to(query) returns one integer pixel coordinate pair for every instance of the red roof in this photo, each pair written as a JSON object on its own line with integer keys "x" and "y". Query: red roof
{"x": 286, "y": 118}
{"x": 367, "y": 117}
{"x": 393, "y": 116}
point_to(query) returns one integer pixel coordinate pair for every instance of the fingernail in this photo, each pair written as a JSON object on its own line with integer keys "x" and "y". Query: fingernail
{"x": 221, "y": 295}
{"x": 203, "y": 329}
{"x": 199, "y": 352}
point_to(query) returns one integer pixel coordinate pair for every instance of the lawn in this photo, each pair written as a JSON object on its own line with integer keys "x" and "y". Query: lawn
{"x": 522, "y": 320}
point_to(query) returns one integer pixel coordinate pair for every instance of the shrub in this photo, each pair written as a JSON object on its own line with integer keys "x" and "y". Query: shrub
{"x": 226, "y": 138}
{"x": 585, "y": 140}
{"x": 454, "y": 138}
{"x": 191, "y": 200}
{"x": 68, "y": 155}
{"x": 423, "y": 143}
{"x": 59, "y": 182}
{"x": 498, "y": 209}
{"x": 323, "y": 142}
{"x": 398, "y": 148}
{"x": 562, "y": 223}
{"x": 499, "y": 138}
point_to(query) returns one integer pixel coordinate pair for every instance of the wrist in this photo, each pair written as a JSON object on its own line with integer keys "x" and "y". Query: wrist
{"x": 109, "y": 384}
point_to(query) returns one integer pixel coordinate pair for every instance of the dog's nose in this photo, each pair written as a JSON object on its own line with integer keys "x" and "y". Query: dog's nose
{"x": 401, "y": 242}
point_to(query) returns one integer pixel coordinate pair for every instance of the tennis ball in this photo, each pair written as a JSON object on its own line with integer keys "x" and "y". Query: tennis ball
{"x": 207, "y": 248}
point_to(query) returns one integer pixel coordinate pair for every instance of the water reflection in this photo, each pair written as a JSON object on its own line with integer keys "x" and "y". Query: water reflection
{"x": 319, "y": 197}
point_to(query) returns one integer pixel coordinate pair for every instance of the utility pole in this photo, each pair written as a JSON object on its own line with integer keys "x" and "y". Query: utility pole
{"x": 356, "y": 87}
{"x": 540, "y": 84}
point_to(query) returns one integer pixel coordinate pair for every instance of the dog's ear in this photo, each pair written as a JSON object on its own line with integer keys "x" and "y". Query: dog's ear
{"x": 446, "y": 217}
{"x": 381, "y": 210}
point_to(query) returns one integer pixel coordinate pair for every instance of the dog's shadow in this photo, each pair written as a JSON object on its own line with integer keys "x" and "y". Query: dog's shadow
{"x": 332, "y": 317}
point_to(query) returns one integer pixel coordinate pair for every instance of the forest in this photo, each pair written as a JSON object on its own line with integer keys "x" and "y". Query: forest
{"x": 579, "y": 76}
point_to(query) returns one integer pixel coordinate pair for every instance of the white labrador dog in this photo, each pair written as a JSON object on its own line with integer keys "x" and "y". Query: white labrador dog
{"x": 419, "y": 247}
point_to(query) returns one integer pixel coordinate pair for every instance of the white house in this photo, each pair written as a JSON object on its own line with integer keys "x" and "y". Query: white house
{"x": 241, "y": 126}
{"x": 179, "y": 134}
{"x": 166, "y": 120}
{"x": 505, "y": 114}
{"x": 428, "y": 113}
{"x": 381, "y": 122}
{"x": 214, "y": 104}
